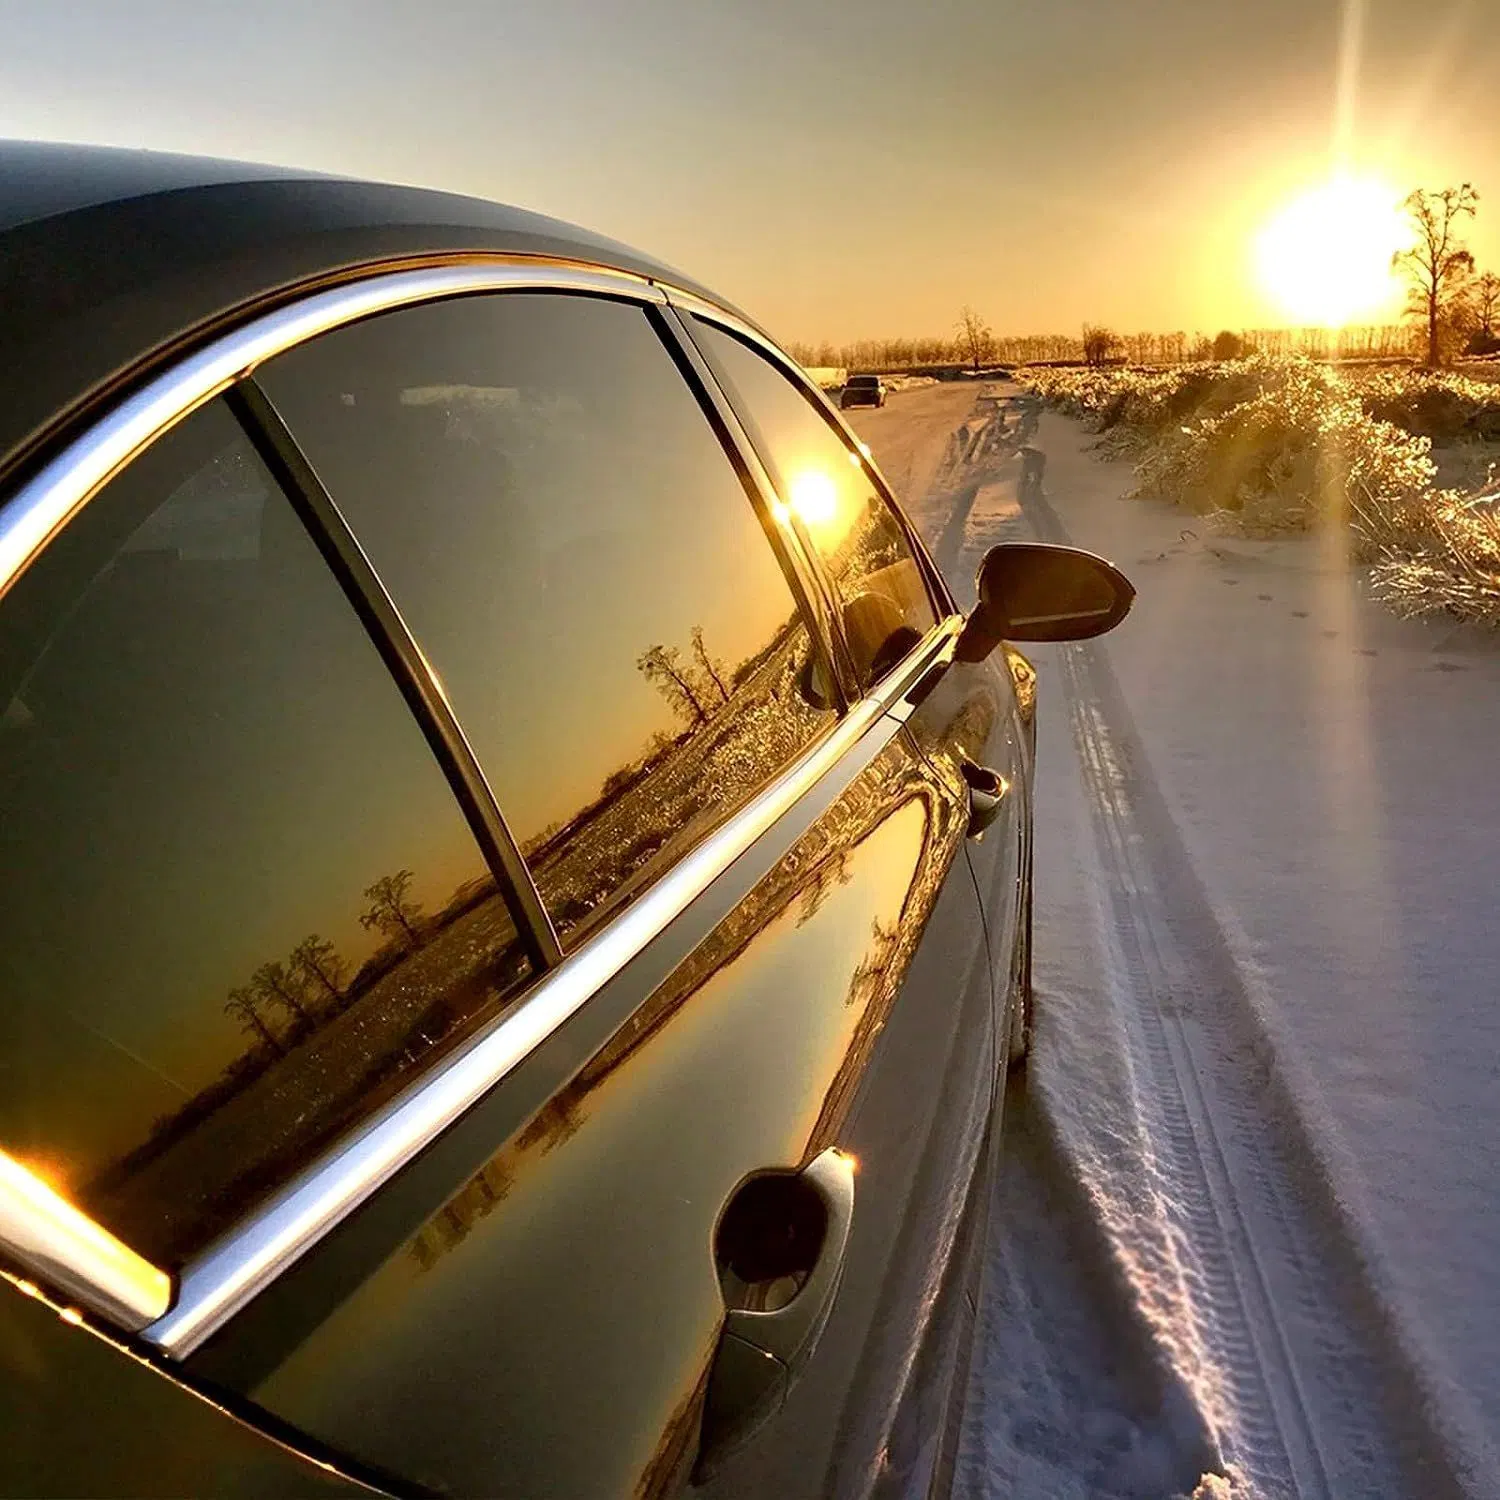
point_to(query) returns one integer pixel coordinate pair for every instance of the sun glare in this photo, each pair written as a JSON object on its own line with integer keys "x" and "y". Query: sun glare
{"x": 1326, "y": 256}
{"x": 814, "y": 497}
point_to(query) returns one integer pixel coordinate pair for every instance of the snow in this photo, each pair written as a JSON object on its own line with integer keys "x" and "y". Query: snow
{"x": 1247, "y": 1237}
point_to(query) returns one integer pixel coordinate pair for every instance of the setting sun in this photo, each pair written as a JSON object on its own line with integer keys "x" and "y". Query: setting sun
{"x": 1326, "y": 256}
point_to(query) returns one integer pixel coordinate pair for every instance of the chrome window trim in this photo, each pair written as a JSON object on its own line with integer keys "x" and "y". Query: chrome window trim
{"x": 47, "y": 1235}
{"x": 244, "y": 1262}
{"x": 50, "y": 499}
{"x": 934, "y": 649}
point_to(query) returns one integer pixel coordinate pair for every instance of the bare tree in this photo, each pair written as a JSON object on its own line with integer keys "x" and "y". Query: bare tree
{"x": 662, "y": 667}
{"x": 976, "y": 339}
{"x": 316, "y": 960}
{"x": 1438, "y": 265}
{"x": 1485, "y": 303}
{"x": 276, "y": 983}
{"x": 1098, "y": 343}
{"x": 706, "y": 664}
{"x": 243, "y": 1005}
{"x": 391, "y": 910}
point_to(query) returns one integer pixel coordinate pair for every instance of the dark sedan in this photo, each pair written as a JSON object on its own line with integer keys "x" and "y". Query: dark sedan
{"x": 862, "y": 390}
{"x": 516, "y": 897}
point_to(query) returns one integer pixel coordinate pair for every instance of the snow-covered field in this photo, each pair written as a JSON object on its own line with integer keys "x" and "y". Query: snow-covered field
{"x": 1247, "y": 1239}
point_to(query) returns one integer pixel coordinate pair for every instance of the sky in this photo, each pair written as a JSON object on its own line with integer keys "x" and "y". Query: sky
{"x": 840, "y": 169}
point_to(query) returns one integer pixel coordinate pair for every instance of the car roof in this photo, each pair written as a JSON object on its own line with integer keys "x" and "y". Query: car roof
{"x": 113, "y": 261}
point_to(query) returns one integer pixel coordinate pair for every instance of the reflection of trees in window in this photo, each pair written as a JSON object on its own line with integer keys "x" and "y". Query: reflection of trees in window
{"x": 690, "y": 690}
{"x": 276, "y": 984}
{"x": 244, "y": 1005}
{"x": 323, "y": 1049}
{"x": 662, "y": 667}
{"x": 710, "y": 669}
{"x": 391, "y": 910}
{"x": 740, "y": 725}
{"x": 317, "y": 962}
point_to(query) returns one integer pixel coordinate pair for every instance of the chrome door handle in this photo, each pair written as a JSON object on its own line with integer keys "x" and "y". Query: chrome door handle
{"x": 761, "y": 1352}
{"x": 987, "y": 793}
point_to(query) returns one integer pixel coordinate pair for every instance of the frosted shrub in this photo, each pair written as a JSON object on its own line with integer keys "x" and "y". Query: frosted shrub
{"x": 1299, "y": 450}
{"x": 1442, "y": 558}
{"x": 1438, "y": 404}
{"x": 1268, "y": 446}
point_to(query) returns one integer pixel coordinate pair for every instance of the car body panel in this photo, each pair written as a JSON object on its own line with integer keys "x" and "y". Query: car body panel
{"x": 762, "y": 1037}
{"x": 81, "y": 1416}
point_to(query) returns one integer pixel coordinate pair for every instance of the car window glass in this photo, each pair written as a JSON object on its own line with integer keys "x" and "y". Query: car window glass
{"x": 578, "y": 558}
{"x": 882, "y": 595}
{"x": 240, "y": 906}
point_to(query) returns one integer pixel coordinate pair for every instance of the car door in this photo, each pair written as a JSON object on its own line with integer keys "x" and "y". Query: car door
{"x": 884, "y": 596}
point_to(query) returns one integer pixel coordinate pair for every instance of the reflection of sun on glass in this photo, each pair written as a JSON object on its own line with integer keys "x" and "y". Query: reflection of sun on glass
{"x": 814, "y": 497}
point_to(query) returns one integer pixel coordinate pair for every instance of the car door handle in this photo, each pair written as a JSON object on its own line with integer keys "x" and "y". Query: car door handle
{"x": 792, "y": 1223}
{"x": 987, "y": 792}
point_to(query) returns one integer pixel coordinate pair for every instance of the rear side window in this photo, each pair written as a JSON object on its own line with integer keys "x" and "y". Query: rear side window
{"x": 882, "y": 595}
{"x": 578, "y": 558}
{"x": 240, "y": 906}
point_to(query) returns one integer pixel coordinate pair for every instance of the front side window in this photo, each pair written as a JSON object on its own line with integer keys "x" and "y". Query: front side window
{"x": 883, "y": 597}
{"x": 240, "y": 906}
{"x": 577, "y": 557}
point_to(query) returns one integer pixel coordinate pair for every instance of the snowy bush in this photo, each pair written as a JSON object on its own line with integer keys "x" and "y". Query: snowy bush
{"x": 1439, "y": 558}
{"x": 1300, "y": 449}
{"x": 1444, "y": 406}
{"x": 1268, "y": 446}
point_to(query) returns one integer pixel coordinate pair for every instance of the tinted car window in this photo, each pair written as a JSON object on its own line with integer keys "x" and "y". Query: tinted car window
{"x": 240, "y": 906}
{"x": 826, "y": 487}
{"x": 578, "y": 558}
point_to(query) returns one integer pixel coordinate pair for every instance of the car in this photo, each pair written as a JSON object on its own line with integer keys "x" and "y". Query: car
{"x": 863, "y": 390}
{"x": 516, "y": 868}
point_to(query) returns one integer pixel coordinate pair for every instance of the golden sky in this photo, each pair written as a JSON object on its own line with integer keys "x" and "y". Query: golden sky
{"x": 840, "y": 171}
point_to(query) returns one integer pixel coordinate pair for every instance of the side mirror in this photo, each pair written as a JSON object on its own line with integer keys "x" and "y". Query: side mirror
{"x": 1031, "y": 591}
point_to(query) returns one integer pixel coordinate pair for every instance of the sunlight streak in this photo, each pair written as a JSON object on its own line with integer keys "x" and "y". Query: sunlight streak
{"x": 1346, "y": 81}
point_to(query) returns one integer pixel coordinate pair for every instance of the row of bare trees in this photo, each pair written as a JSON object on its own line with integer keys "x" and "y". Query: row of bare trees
{"x": 309, "y": 985}
{"x": 1452, "y": 308}
{"x": 1101, "y": 345}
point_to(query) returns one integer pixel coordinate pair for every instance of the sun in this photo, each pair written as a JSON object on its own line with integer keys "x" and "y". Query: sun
{"x": 1325, "y": 258}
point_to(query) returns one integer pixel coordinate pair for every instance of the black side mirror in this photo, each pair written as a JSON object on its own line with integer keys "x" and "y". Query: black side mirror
{"x": 1031, "y": 591}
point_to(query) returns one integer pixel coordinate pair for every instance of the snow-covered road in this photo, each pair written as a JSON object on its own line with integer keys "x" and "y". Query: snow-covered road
{"x": 1250, "y": 1219}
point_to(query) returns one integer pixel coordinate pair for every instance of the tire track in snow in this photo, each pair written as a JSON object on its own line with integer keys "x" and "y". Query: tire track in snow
{"x": 1318, "y": 1395}
{"x": 1082, "y": 1388}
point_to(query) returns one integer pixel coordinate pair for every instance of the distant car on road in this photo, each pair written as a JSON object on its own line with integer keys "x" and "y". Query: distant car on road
{"x": 863, "y": 390}
{"x": 516, "y": 868}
